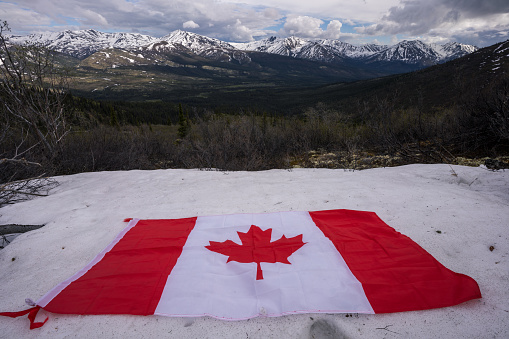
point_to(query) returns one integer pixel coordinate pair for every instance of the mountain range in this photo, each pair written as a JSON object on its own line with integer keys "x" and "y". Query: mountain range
{"x": 411, "y": 52}
{"x": 83, "y": 43}
{"x": 456, "y": 83}
{"x": 277, "y": 74}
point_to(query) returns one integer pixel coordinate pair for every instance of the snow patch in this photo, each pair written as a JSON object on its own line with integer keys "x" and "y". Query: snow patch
{"x": 460, "y": 219}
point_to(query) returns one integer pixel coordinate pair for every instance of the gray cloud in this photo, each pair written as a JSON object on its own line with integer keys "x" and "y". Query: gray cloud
{"x": 475, "y": 8}
{"x": 481, "y": 38}
{"x": 21, "y": 17}
{"x": 425, "y": 16}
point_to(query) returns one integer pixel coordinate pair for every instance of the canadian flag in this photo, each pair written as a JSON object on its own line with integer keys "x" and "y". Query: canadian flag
{"x": 246, "y": 265}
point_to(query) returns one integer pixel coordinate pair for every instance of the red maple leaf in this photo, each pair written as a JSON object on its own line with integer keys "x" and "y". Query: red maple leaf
{"x": 256, "y": 247}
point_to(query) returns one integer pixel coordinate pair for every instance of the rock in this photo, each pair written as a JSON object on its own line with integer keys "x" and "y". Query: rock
{"x": 6, "y": 239}
{"x": 323, "y": 329}
{"x": 14, "y": 228}
{"x": 494, "y": 164}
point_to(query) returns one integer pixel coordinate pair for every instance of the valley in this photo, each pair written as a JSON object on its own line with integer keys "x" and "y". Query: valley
{"x": 188, "y": 101}
{"x": 270, "y": 74}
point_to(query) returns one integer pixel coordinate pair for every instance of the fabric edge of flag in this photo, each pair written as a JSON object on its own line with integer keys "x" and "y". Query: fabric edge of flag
{"x": 259, "y": 315}
{"x": 44, "y": 300}
{"x": 475, "y": 289}
{"x": 107, "y": 296}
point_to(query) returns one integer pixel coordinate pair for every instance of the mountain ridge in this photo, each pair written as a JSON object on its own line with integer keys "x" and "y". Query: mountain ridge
{"x": 83, "y": 43}
{"x": 411, "y": 52}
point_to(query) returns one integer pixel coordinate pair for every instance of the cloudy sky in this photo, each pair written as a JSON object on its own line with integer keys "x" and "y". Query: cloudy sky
{"x": 478, "y": 22}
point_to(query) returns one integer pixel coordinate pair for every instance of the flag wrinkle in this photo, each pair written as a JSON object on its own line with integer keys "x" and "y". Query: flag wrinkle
{"x": 381, "y": 278}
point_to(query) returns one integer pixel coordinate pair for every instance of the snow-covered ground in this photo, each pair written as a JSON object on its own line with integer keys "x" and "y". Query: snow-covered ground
{"x": 458, "y": 214}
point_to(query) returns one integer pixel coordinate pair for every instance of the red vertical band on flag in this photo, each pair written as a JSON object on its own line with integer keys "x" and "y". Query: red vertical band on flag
{"x": 396, "y": 273}
{"x": 131, "y": 277}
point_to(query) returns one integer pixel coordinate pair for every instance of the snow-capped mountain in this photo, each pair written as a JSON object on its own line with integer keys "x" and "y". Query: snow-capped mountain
{"x": 417, "y": 52}
{"x": 410, "y": 52}
{"x": 319, "y": 52}
{"x": 83, "y": 43}
{"x": 353, "y": 51}
{"x": 205, "y": 46}
{"x": 294, "y": 47}
{"x": 290, "y": 46}
{"x": 309, "y": 49}
{"x": 454, "y": 50}
{"x": 162, "y": 46}
{"x": 195, "y": 42}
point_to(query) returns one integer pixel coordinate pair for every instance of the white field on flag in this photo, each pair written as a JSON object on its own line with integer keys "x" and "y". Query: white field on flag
{"x": 202, "y": 283}
{"x": 458, "y": 214}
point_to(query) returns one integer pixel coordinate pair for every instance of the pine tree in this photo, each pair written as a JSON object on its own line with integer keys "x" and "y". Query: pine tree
{"x": 183, "y": 124}
{"x": 113, "y": 117}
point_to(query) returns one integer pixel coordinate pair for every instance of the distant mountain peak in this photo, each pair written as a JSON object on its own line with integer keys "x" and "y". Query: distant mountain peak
{"x": 194, "y": 41}
{"x": 204, "y": 46}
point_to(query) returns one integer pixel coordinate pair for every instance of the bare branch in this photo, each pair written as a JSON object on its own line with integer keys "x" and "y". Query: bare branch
{"x": 21, "y": 190}
{"x": 20, "y": 161}
{"x": 33, "y": 117}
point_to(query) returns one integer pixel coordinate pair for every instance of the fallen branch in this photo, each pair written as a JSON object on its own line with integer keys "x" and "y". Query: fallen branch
{"x": 387, "y": 329}
{"x": 22, "y": 161}
{"x": 24, "y": 193}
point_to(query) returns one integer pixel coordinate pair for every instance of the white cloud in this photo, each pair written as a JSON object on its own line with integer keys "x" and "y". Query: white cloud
{"x": 348, "y": 22}
{"x": 190, "y": 24}
{"x": 309, "y": 27}
{"x": 303, "y": 26}
{"x": 333, "y": 30}
{"x": 240, "y": 32}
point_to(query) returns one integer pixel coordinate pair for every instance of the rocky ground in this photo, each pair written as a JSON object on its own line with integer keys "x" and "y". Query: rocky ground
{"x": 365, "y": 160}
